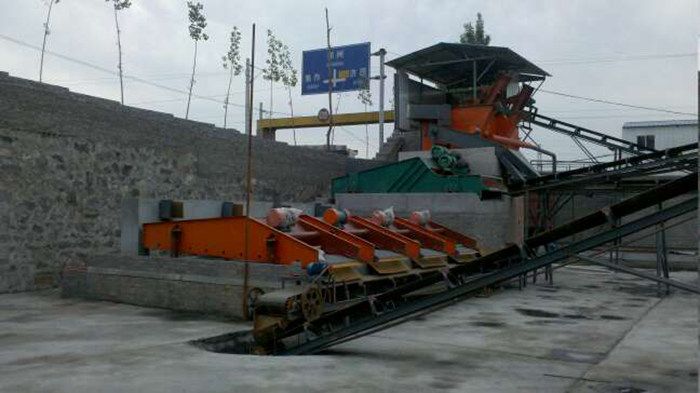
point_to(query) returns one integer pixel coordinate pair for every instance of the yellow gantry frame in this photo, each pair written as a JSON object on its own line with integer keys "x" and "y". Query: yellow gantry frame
{"x": 267, "y": 127}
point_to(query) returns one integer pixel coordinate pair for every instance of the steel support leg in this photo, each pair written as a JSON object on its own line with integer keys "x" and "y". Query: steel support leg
{"x": 661, "y": 255}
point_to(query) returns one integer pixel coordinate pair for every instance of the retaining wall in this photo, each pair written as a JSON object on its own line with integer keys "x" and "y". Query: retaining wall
{"x": 68, "y": 160}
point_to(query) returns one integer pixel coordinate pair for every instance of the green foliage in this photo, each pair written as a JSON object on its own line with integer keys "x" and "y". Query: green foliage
{"x": 475, "y": 35}
{"x": 279, "y": 62}
{"x": 365, "y": 95}
{"x": 289, "y": 73}
{"x": 197, "y": 21}
{"x": 273, "y": 70}
{"x": 232, "y": 58}
{"x": 118, "y": 4}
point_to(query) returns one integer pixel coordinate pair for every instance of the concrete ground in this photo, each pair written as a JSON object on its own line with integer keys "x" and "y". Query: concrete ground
{"x": 593, "y": 331}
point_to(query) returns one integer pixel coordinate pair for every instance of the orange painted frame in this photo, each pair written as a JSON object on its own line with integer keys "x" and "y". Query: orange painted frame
{"x": 225, "y": 238}
{"x": 387, "y": 239}
{"x": 337, "y": 241}
{"x": 460, "y": 238}
{"x": 427, "y": 238}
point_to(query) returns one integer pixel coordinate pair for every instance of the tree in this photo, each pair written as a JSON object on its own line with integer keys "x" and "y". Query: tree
{"x": 280, "y": 69}
{"x": 47, "y": 31}
{"x": 118, "y": 6}
{"x": 197, "y": 24}
{"x": 289, "y": 80}
{"x": 273, "y": 70}
{"x": 475, "y": 35}
{"x": 232, "y": 62}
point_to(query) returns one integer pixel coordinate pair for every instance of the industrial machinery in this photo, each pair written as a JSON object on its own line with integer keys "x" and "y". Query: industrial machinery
{"x": 365, "y": 273}
{"x": 353, "y": 318}
{"x": 443, "y": 171}
{"x": 461, "y": 95}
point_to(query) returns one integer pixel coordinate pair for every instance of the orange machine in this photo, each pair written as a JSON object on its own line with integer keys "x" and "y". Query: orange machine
{"x": 451, "y": 88}
{"x": 226, "y": 238}
{"x": 286, "y": 236}
{"x": 492, "y": 115}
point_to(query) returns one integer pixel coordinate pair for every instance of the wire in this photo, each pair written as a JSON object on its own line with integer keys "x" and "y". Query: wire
{"x": 133, "y": 78}
{"x": 614, "y": 60}
{"x": 210, "y": 96}
{"x": 616, "y": 103}
{"x": 629, "y": 115}
{"x": 357, "y": 138}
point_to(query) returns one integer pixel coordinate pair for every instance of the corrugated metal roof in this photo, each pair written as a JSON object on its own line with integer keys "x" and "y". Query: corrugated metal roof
{"x": 659, "y": 123}
{"x": 451, "y": 64}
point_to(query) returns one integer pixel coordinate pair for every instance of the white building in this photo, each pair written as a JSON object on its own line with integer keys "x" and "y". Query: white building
{"x": 662, "y": 134}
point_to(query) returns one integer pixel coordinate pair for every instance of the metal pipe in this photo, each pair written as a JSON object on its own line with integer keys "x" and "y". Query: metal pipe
{"x": 547, "y": 153}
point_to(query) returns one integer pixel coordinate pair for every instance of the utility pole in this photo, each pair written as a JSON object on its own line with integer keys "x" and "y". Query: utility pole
{"x": 249, "y": 119}
{"x": 248, "y": 103}
{"x": 260, "y": 115}
{"x": 249, "y": 174}
{"x": 381, "y": 53}
{"x": 330, "y": 83}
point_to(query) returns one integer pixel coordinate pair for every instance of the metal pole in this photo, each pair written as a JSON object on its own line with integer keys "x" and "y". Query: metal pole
{"x": 381, "y": 53}
{"x": 474, "y": 81}
{"x": 330, "y": 83}
{"x": 249, "y": 170}
{"x": 661, "y": 253}
{"x": 248, "y": 103}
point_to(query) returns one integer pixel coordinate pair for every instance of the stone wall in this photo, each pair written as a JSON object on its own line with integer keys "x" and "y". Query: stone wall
{"x": 67, "y": 160}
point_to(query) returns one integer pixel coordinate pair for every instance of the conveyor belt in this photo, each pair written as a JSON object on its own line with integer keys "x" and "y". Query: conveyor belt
{"x": 681, "y": 158}
{"x": 394, "y": 306}
{"x": 596, "y": 137}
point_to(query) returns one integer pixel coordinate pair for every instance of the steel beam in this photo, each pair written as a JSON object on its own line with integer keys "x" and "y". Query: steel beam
{"x": 391, "y": 317}
{"x": 344, "y": 119}
{"x": 624, "y": 269}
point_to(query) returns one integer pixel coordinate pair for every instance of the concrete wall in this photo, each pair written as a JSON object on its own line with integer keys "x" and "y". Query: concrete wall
{"x": 190, "y": 284}
{"x": 68, "y": 160}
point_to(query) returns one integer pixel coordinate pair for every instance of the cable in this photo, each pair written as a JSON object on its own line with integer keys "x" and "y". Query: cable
{"x": 631, "y": 116}
{"x": 210, "y": 96}
{"x": 133, "y": 78}
{"x": 614, "y": 60}
{"x": 616, "y": 103}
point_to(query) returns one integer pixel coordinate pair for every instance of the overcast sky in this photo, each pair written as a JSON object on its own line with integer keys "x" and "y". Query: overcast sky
{"x": 641, "y": 52}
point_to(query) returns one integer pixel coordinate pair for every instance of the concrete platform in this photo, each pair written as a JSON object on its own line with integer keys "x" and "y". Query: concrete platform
{"x": 187, "y": 284}
{"x": 593, "y": 331}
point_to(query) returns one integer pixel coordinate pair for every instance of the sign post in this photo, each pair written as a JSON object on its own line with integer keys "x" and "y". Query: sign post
{"x": 381, "y": 53}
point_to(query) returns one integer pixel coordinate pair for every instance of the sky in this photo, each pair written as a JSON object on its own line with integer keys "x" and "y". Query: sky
{"x": 638, "y": 52}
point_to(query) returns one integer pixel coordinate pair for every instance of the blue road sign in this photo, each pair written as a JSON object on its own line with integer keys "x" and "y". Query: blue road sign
{"x": 349, "y": 64}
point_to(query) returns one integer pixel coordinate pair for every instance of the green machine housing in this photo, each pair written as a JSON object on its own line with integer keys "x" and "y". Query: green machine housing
{"x": 418, "y": 175}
